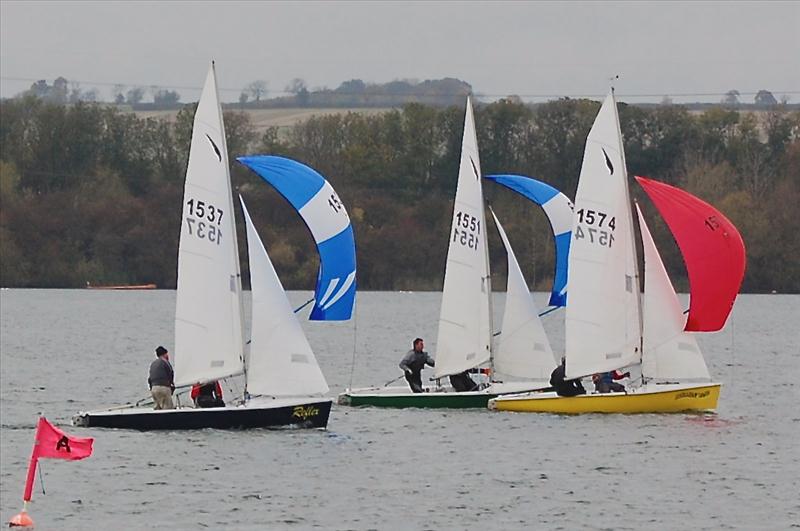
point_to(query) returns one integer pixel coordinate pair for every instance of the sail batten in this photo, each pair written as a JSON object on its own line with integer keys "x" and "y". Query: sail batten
{"x": 712, "y": 249}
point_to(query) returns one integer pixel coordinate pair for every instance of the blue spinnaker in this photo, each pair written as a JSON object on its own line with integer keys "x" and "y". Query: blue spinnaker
{"x": 317, "y": 203}
{"x": 558, "y": 208}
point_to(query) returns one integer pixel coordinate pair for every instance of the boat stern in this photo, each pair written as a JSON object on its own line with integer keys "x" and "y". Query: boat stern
{"x": 80, "y": 419}
{"x": 344, "y": 399}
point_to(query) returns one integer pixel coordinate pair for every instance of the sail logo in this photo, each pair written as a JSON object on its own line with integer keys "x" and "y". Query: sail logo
{"x": 216, "y": 149}
{"x": 305, "y": 412}
{"x": 692, "y": 394}
{"x": 608, "y": 162}
{"x": 327, "y": 300}
{"x": 474, "y": 169}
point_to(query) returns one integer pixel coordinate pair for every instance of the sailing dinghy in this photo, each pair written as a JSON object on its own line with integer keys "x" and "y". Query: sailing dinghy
{"x": 283, "y": 383}
{"x": 465, "y": 324}
{"x": 608, "y": 327}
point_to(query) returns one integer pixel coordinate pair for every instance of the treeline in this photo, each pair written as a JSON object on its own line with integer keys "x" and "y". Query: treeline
{"x": 357, "y": 93}
{"x": 90, "y": 194}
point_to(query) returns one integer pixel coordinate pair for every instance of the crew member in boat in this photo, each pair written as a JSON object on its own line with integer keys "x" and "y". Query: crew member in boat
{"x": 604, "y": 381}
{"x": 413, "y": 363}
{"x": 463, "y": 383}
{"x": 162, "y": 380}
{"x": 207, "y": 395}
{"x": 565, "y": 387}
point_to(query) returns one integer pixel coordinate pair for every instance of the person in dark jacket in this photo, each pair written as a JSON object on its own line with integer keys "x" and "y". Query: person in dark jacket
{"x": 162, "y": 380}
{"x": 413, "y": 363}
{"x": 565, "y": 387}
{"x": 463, "y": 383}
{"x": 604, "y": 381}
{"x": 207, "y": 395}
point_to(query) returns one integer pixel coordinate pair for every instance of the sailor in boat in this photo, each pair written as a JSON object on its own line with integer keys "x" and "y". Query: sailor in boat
{"x": 565, "y": 387}
{"x": 604, "y": 381}
{"x": 162, "y": 380}
{"x": 413, "y": 363}
{"x": 463, "y": 383}
{"x": 207, "y": 395}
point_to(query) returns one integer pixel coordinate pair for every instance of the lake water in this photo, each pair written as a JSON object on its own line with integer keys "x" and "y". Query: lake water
{"x": 64, "y": 351}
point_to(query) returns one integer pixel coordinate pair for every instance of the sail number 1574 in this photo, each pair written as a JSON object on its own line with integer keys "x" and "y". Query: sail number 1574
{"x": 598, "y": 227}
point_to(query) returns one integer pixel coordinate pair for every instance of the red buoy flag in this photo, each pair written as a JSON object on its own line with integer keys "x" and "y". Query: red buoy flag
{"x": 52, "y": 443}
{"x": 49, "y": 443}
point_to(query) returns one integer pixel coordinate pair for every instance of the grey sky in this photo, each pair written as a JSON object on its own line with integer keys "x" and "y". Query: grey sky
{"x": 500, "y": 48}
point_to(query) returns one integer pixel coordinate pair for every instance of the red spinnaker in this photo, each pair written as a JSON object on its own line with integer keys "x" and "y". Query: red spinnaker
{"x": 712, "y": 249}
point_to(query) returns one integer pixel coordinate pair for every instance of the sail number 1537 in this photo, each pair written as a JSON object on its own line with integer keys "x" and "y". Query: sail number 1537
{"x": 203, "y": 221}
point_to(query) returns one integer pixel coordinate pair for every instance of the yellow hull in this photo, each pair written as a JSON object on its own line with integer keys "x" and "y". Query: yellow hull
{"x": 654, "y": 399}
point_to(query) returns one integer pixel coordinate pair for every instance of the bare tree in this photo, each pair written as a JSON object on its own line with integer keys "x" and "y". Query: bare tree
{"x": 134, "y": 95}
{"x": 118, "y": 92}
{"x": 257, "y": 89}
{"x": 89, "y": 95}
{"x": 296, "y": 86}
{"x": 60, "y": 90}
{"x": 765, "y": 97}
{"x": 731, "y": 97}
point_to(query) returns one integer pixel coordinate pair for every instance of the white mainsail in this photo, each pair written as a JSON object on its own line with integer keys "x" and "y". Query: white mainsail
{"x": 208, "y": 316}
{"x": 280, "y": 361}
{"x": 603, "y": 324}
{"x": 669, "y": 352}
{"x": 465, "y": 329}
{"x": 523, "y": 349}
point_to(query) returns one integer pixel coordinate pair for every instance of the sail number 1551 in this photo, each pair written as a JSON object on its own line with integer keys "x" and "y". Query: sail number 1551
{"x": 203, "y": 220}
{"x": 467, "y": 230}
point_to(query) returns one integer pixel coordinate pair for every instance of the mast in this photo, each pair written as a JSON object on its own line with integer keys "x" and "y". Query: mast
{"x": 236, "y": 282}
{"x": 629, "y": 211}
{"x": 488, "y": 280}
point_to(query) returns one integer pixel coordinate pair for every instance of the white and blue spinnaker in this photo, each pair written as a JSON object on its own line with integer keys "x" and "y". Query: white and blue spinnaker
{"x": 559, "y": 209}
{"x": 318, "y": 204}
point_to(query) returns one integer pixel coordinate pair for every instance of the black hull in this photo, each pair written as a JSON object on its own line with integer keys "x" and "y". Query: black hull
{"x": 306, "y": 415}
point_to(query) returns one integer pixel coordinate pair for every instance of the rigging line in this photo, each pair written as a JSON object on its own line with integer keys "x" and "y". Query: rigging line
{"x": 355, "y": 338}
{"x": 309, "y": 301}
{"x": 41, "y": 476}
{"x": 733, "y": 349}
{"x": 552, "y": 309}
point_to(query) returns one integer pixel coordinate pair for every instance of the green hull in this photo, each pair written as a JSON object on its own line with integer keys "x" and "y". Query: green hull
{"x": 419, "y": 400}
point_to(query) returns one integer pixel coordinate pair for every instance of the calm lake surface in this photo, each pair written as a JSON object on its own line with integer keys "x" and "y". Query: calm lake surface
{"x": 64, "y": 351}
